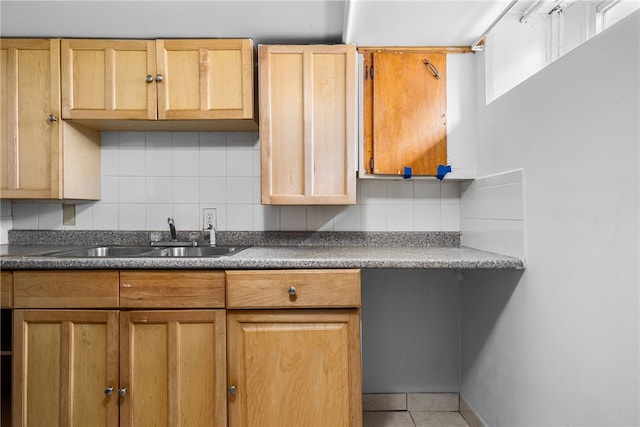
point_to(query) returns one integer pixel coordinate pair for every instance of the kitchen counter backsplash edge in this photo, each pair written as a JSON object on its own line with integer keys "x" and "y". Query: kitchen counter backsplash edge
{"x": 252, "y": 238}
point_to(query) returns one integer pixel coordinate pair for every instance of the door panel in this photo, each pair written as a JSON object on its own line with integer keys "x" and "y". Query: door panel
{"x": 294, "y": 368}
{"x": 64, "y": 361}
{"x": 173, "y": 367}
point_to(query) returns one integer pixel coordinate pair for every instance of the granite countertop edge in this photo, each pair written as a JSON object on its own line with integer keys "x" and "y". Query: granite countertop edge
{"x": 24, "y": 257}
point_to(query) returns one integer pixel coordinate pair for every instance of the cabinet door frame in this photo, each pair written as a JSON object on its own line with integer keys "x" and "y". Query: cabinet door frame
{"x": 13, "y": 126}
{"x": 172, "y": 319}
{"x": 110, "y": 108}
{"x": 306, "y": 131}
{"x": 207, "y": 75}
{"x": 236, "y": 370}
{"x": 65, "y": 393}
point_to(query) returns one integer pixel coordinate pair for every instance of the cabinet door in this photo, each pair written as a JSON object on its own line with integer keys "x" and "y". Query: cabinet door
{"x": 29, "y": 142}
{"x": 294, "y": 368}
{"x": 205, "y": 79}
{"x": 173, "y": 368}
{"x": 64, "y": 361}
{"x": 108, "y": 79}
{"x": 308, "y": 124}
{"x": 405, "y": 112}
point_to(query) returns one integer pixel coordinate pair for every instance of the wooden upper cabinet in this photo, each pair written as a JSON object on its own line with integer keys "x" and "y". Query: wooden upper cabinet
{"x": 405, "y": 112}
{"x": 205, "y": 79}
{"x": 149, "y": 81}
{"x": 42, "y": 156}
{"x": 308, "y": 124}
{"x": 107, "y": 79}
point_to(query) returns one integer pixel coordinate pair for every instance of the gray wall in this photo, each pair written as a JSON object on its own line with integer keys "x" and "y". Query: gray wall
{"x": 410, "y": 331}
{"x": 560, "y": 345}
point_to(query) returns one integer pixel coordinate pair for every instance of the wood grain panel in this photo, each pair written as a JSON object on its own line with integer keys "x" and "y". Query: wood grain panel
{"x": 172, "y": 289}
{"x": 6, "y": 289}
{"x": 308, "y": 124}
{"x": 105, "y": 79}
{"x": 65, "y": 289}
{"x": 30, "y": 143}
{"x": 64, "y": 360}
{"x": 409, "y": 113}
{"x": 294, "y": 368}
{"x": 314, "y": 288}
{"x": 206, "y": 79}
{"x": 173, "y": 367}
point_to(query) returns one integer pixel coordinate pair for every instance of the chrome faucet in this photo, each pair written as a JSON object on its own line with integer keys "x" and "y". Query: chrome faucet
{"x": 212, "y": 235}
{"x": 172, "y": 228}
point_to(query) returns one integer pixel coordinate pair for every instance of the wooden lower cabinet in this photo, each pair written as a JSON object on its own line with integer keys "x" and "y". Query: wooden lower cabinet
{"x": 63, "y": 362}
{"x": 294, "y": 368}
{"x": 171, "y": 368}
{"x": 172, "y": 365}
{"x": 108, "y": 348}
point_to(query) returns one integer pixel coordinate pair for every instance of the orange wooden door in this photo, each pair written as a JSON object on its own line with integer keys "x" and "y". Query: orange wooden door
{"x": 408, "y": 112}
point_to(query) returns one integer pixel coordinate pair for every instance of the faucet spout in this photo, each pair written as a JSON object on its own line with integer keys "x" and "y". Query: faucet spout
{"x": 172, "y": 228}
{"x": 212, "y": 235}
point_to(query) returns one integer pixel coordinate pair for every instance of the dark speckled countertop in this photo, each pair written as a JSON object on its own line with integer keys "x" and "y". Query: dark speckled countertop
{"x": 277, "y": 250}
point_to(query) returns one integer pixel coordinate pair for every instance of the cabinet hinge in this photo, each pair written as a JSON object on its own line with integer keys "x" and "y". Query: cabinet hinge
{"x": 368, "y": 72}
{"x": 371, "y": 164}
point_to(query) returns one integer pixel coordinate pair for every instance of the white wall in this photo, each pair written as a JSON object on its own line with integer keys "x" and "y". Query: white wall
{"x": 560, "y": 344}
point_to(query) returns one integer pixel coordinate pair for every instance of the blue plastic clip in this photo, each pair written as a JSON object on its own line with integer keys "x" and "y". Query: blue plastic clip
{"x": 442, "y": 171}
{"x": 407, "y": 172}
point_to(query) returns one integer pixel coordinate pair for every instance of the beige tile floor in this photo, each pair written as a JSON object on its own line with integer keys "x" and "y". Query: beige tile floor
{"x": 412, "y": 410}
{"x": 413, "y": 419}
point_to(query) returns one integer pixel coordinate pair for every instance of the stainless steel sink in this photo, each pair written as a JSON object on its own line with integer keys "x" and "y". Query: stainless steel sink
{"x": 147, "y": 251}
{"x": 201, "y": 251}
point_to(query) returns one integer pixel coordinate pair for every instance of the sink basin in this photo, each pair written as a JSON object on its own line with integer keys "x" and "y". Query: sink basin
{"x": 146, "y": 251}
{"x": 201, "y": 251}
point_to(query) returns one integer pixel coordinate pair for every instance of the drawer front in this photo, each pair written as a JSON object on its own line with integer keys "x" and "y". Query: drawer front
{"x": 293, "y": 288}
{"x": 65, "y": 289}
{"x": 172, "y": 289}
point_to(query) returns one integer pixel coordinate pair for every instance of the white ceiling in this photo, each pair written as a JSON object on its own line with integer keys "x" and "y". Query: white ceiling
{"x": 364, "y": 22}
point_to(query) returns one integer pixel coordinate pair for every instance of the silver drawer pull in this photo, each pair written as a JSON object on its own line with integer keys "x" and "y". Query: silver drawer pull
{"x": 293, "y": 291}
{"x": 122, "y": 392}
{"x": 232, "y": 390}
{"x": 108, "y": 391}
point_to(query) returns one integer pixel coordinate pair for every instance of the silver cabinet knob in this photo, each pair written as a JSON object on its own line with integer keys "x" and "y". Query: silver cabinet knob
{"x": 122, "y": 392}
{"x": 232, "y": 390}
{"x": 293, "y": 291}
{"x": 149, "y": 78}
{"x": 52, "y": 118}
{"x": 108, "y": 391}
{"x": 159, "y": 78}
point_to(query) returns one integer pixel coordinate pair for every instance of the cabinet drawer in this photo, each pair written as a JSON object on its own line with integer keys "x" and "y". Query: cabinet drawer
{"x": 172, "y": 289}
{"x": 293, "y": 288}
{"x": 65, "y": 289}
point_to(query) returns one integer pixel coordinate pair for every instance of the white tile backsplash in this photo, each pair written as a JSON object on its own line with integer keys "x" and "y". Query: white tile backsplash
{"x": 492, "y": 214}
{"x": 148, "y": 176}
